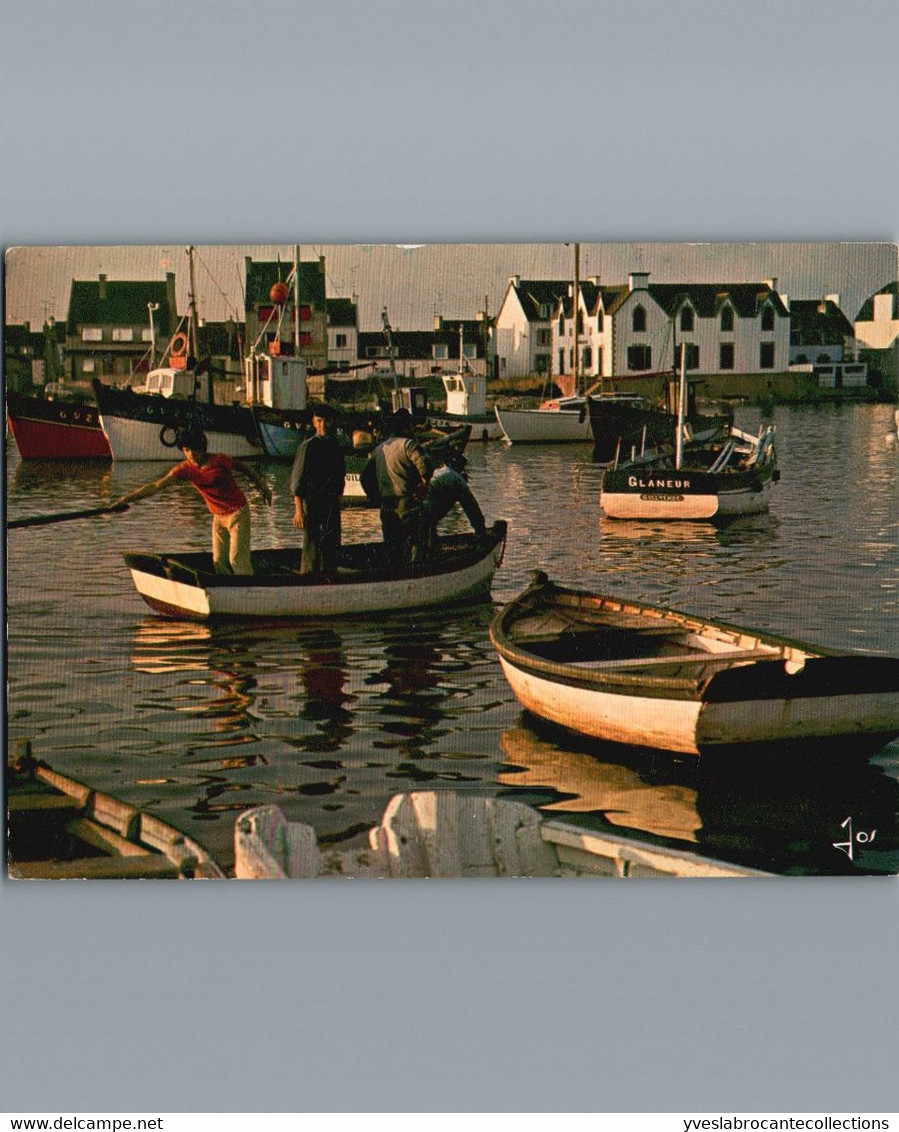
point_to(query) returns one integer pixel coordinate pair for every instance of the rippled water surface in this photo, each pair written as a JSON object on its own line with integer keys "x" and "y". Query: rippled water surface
{"x": 329, "y": 719}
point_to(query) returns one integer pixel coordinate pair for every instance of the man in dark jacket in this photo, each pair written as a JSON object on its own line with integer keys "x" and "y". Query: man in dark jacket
{"x": 396, "y": 477}
{"x": 316, "y": 483}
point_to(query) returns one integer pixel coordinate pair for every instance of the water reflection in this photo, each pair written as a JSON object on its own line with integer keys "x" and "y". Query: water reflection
{"x": 774, "y": 813}
{"x": 330, "y": 719}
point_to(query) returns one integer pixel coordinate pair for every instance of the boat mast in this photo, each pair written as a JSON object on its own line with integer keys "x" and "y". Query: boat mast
{"x": 193, "y": 347}
{"x": 193, "y": 328}
{"x": 461, "y": 340}
{"x": 574, "y": 313}
{"x": 296, "y": 299}
{"x": 389, "y": 335}
{"x": 681, "y": 404}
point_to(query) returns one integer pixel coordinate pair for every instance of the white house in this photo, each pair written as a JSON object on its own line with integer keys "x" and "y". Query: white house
{"x": 522, "y": 334}
{"x": 631, "y": 330}
{"x": 877, "y": 329}
{"x": 343, "y": 332}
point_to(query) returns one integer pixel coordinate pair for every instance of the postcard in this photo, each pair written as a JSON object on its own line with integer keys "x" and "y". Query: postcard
{"x": 510, "y": 560}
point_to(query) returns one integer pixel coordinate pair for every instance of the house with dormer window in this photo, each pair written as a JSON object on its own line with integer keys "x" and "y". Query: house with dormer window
{"x": 632, "y": 330}
{"x": 112, "y": 325}
{"x": 877, "y": 333}
{"x": 523, "y": 331}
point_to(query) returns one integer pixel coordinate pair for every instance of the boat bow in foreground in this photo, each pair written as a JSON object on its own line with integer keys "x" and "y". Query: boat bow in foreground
{"x": 632, "y": 673}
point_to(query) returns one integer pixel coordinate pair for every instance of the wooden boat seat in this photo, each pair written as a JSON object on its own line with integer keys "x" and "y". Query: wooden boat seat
{"x": 693, "y": 659}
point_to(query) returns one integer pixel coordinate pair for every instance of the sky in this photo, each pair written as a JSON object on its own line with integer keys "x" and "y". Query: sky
{"x": 417, "y": 282}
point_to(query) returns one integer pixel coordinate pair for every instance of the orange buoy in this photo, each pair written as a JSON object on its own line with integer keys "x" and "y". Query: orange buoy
{"x": 179, "y": 345}
{"x": 278, "y": 294}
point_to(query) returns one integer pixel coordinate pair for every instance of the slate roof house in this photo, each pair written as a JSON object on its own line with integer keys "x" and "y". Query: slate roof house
{"x": 108, "y": 330}
{"x": 630, "y": 330}
{"x": 819, "y": 331}
{"x": 271, "y": 326}
{"x": 343, "y": 332}
{"x": 877, "y": 332}
{"x": 522, "y": 334}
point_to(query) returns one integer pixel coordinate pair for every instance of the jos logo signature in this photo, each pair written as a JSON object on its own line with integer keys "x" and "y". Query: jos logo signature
{"x": 863, "y": 837}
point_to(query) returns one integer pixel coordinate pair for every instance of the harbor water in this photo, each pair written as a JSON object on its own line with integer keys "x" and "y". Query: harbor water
{"x": 329, "y": 719}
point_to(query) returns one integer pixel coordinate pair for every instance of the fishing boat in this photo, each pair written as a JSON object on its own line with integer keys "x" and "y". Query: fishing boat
{"x": 184, "y": 585}
{"x": 621, "y": 427}
{"x": 728, "y": 476}
{"x": 724, "y": 479}
{"x": 55, "y": 430}
{"x": 59, "y": 828}
{"x": 632, "y": 673}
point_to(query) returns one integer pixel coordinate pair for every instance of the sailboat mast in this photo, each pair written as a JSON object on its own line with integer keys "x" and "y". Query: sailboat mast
{"x": 296, "y": 299}
{"x": 192, "y": 306}
{"x": 681, "y": 405}
{"x": 574, "y": 313}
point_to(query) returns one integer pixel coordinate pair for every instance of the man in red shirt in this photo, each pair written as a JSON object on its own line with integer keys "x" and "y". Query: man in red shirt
{"x": 212, "y": 475}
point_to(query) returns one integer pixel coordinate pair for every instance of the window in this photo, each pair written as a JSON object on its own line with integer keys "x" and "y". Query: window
{"x": 91, "y": 334}
{"x": 766, "y": 355}
{"x": 686, "y": 318}
{"x": 545, "y": 312}
{"x": 87, "y": 366}
{"x": 544, "y": 338}
{"x": 599, "y": 321}
{"x": 123, "y": 334}
{"x": 541, "y": 363}
{"x": 571, "y": 358}
{"x": 561, "y": 325}
{"x": 440, "y": 351}
{"x": 726, "y": 355}
{"x": 599, "y": 361}
{"x": 638, "y": 322}
{"x": 305, "y": 312}
{"x": 639, "y": 357}
{"x": 580, "y": 322}
{"x": 470, "y": 349}
{"x": 692, "y": 352}
{"x": 767, "y": 319}
{"x": 727, "y": 319}
{"x": 305, "y": 338}
{"x": 561, "y": 361}
{"x": 340, "y": 341}
{"x": 586, "y": 358}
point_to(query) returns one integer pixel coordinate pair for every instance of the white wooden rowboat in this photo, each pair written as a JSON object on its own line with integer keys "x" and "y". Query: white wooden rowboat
{"x": 184, "y": 586}
{"x": 637, "y": 674}
{"x": 447, "y": 834}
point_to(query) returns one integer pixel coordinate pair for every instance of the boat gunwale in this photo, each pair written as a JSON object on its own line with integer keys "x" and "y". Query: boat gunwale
{"x": 469, "y": 554}
{"x": 630, "y": 680}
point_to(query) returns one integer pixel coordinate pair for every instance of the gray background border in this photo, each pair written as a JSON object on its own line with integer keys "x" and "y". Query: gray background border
{"x": 415, "y": 121}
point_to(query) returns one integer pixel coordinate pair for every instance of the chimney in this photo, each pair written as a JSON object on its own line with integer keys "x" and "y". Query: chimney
{"x": 515, "y": 280}
{"x": 638, "y": 280}
{"x": 102, "y": 279}
{"x": 771, "y": 283}
{"x": 438, "y": 322}
{"x": 594, "y": 279}
{"x": 835, "y": 299}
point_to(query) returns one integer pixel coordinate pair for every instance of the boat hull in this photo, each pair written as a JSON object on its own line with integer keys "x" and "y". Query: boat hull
{"x": 544, "y": 426}
{"x": 55, "y": 430}
{"x": 628, "y": 494}
{"x": 142, "y": 426}
{"x": 183, "y": 587}
{"x": 484, "y": 426}
{"x": 635, "y": 674}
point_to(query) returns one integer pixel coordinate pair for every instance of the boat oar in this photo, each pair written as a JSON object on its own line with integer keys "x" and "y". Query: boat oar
{"x": 65, "y": 516}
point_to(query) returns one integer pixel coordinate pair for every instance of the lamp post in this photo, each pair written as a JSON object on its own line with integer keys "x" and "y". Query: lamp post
{"x": 150, "y": 308}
